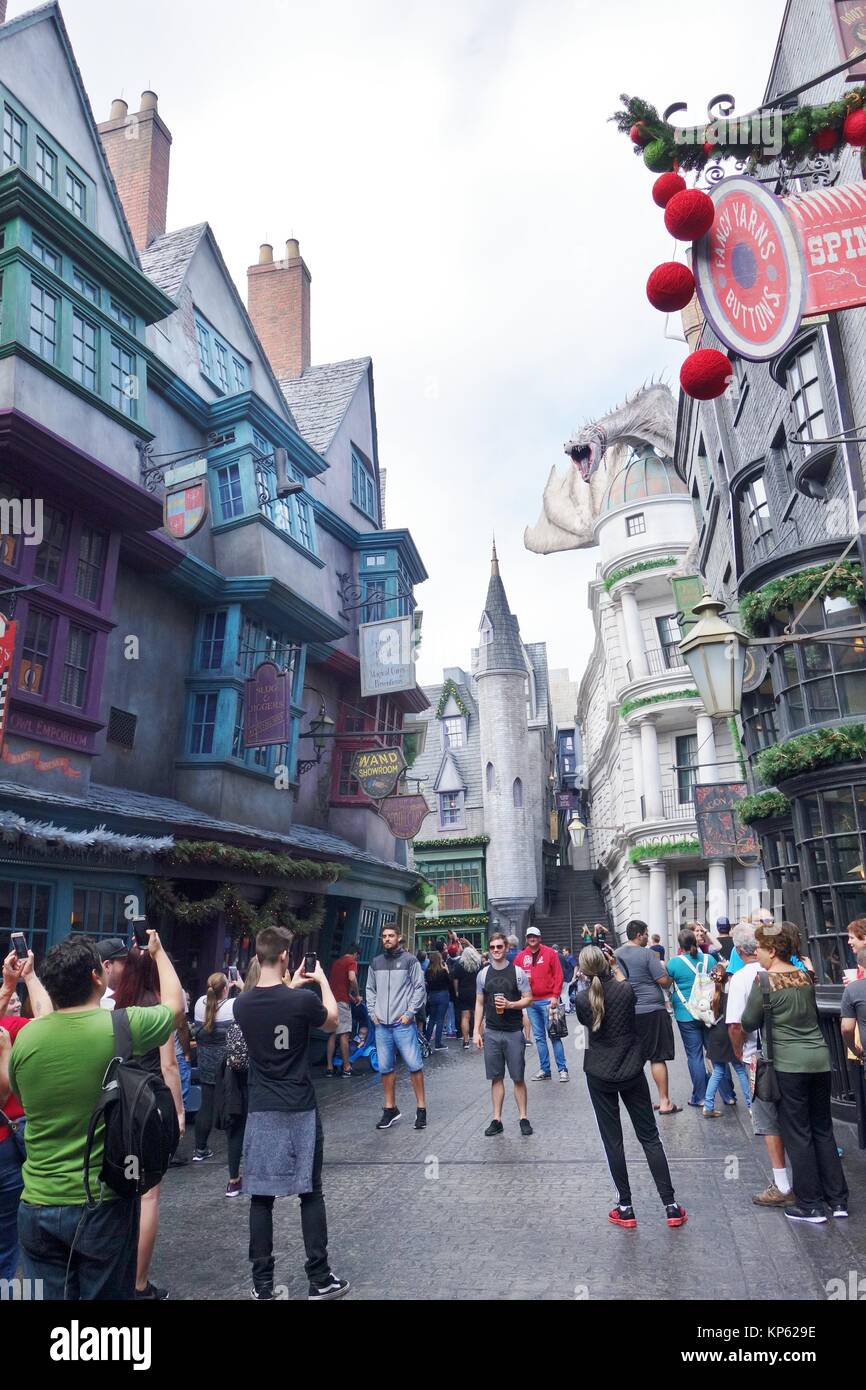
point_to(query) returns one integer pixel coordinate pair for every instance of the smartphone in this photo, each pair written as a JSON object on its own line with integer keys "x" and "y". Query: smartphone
{"x": 139, "y": 932}
{"x": 311, "y": 960}
{"x": 19, "y": 945}
{"x": 234, "y": 973}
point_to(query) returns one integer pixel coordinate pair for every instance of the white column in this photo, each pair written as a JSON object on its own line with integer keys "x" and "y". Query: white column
{"x": 754, "y": 883}
{"x": 657, "y": 912}
{"x": 652, "y": 775}
{"x": 636, "y": 769}
{"x": 633, "y": 631}
{"x": 708, "y": 770}
{"x": 717, "y": 892}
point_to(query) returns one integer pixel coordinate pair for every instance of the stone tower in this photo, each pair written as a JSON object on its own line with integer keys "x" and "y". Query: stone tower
{"x": 506, "y": 761}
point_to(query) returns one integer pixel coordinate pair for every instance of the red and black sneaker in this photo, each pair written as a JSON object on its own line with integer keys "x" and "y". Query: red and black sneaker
{"x": 623, "y": 1216}
{"x": 676, "y": 1215}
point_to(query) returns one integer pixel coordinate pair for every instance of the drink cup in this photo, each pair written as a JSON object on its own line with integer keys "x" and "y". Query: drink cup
{"x": 499, "y": 1001}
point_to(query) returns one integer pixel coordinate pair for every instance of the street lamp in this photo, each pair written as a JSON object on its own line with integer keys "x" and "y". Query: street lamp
{"x": 715, "y": 654}
{"x": 321, "y": 729}
{"x": 577, "y": 831}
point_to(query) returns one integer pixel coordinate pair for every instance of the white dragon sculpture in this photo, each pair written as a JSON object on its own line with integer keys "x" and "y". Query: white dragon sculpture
{"x": 572, "y": 497}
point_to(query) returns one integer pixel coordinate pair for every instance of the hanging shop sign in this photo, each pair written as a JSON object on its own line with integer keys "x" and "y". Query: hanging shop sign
{"x": 688, "y": 590}
{"x": 185, "y": 509}
{"x": 386, "y": 651}
{"x": 7, "y": 651}
{"x": 566, "y": 801}
{"x": 767, "y": 262}
{"x": 267, "y": 716}
{"x": 378, "y": 770}
{"x": 721, "y": 833}
{"x": 404, "y": 814}
{"x": 756, "y": 664}
{"x": 850, "y": 20}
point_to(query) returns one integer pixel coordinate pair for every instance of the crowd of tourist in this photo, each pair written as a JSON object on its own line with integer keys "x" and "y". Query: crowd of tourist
{"x": 742, "y": 998}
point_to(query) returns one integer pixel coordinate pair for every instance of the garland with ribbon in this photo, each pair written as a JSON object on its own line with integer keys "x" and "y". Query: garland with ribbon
{"x": 805, "y": 131}
{"x": 243, "y": 917}
{"x": 260, "y": 863}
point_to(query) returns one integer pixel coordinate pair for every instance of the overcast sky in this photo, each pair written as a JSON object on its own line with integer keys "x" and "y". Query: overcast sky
{"x": 470, "y": 220}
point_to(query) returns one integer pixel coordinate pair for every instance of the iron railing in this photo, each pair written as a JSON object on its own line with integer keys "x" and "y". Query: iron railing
{"x": 659, "y": 660}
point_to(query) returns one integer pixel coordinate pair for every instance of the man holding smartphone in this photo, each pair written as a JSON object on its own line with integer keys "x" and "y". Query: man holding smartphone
{"x": 503, "y": 991}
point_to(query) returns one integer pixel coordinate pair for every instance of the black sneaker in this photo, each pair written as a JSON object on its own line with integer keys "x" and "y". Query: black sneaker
{"x": 331, "y": 1288}
{"x": 675, "y": 1214}
{"x": 495, "y": 1127}
{"x": 839, "y": 1208}
{"x": 813, "y": 1215}
{"x": 152, "y": 1292}
{"x": 420, "y": 1118}
{"x": 389, "y": 1118}
{"x": 525, "y": 1127}
{"x": 202, "y": 1155}
{"x": 263, "y": 1293}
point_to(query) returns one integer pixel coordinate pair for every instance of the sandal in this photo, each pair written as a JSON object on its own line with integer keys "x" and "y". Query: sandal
{"x": 674, "y": 1110}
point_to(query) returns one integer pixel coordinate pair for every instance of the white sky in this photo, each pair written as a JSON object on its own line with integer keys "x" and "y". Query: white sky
{"x": 470, "y": 220}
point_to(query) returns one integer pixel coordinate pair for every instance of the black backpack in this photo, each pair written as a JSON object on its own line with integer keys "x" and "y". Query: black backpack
{"x": 141, "y": 1129}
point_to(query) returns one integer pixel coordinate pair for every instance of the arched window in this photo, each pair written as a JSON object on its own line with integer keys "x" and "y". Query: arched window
{"x": 489, "y": 776}
{"x": 517, "y": 792}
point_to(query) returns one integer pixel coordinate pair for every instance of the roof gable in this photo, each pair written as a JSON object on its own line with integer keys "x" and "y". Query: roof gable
{"x": 449, "y": 778}
{"x": 320, "y": 397}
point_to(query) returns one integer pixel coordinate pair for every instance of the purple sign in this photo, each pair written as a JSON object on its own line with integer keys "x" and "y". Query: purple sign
{"x": 566, "y": 801}
{"x": 266, "y": 707}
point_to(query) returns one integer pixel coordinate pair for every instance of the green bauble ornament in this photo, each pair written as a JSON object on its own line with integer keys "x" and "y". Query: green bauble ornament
{"x": 658, "y": 157}
{"x": 799, "y": 135}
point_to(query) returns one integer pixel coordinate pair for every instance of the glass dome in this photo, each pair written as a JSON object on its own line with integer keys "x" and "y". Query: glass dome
{"x": 644, "y": 475}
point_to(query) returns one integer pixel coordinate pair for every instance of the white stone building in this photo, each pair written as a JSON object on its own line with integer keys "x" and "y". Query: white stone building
{"x": 647, "y": 740}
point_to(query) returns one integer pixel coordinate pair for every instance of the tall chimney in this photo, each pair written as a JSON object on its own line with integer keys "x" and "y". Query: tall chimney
{"x": 138, "y": 148}
{"x": 278, "y": 299}
{"x": 3, "y": 5}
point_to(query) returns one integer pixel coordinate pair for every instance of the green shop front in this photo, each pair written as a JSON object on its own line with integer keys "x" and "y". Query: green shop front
{"x": 454, "y": 867}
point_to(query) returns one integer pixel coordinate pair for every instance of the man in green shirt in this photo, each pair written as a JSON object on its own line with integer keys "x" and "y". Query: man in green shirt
{"x": 56, "y": 1071}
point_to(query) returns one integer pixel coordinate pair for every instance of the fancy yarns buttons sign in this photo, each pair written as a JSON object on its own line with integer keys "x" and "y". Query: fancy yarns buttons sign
{"x": 185, "y": 510}
{"x": 404, "y": 815}
{"x": 377, "y": 770}
{"x": 267, "y": 716}
{"x": 831, "y": 223}
{"x": 749, "y": 270}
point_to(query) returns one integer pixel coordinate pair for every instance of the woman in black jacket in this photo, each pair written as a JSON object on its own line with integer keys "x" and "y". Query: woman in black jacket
{"x": 613, "y": 1064}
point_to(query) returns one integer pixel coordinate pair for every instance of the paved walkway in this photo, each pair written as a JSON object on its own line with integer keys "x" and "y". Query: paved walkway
{"x": 448, "y": 1213}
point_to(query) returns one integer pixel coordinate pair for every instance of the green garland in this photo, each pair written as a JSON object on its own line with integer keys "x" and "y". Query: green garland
{"x": 452, "y": 842}
{"x": 738, "y": 746}
{"x": 628, "y": 705}
{"x": 449, "y": 689}
{"x": 663, "y": 850}
{"x": 260, "y": 863}
{"x": 451, "y": 923}
{"x": 662, "y": 151}
{"x": 762, "y": 806}
{"x": 821, "y": 748}
{"x": 275, "y": 911}
{"x": 637, "y": 569}
{"x": 757, "y": 609}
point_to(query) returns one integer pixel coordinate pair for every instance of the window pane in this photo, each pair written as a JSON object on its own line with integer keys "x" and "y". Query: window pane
{"x": 79, "y": 645}
{"x": 43, "y": 322}
{"x": 75, "y": 195}
{"x": 49, "y": 556}
{"x": 91, "y": 563}
{"x": 84, "y": 352}
{"x": 35, "y": 650}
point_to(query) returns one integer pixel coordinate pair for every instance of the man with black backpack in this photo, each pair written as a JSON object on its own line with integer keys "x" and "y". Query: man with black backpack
{"x": 77, "y": 1249}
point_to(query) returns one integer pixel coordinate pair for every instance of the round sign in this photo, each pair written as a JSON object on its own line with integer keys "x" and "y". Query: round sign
{"x": 755, "y": 667}
{"x": 749, "y": 271}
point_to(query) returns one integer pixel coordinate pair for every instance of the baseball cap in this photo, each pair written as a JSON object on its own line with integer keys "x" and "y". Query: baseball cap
{"x": 112, "y": 948}
{"x": 533, "y": 931}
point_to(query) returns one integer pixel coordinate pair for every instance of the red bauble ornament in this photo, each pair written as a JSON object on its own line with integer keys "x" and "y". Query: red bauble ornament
{"x": 670, "y": 287}
{"x": 689, "y": 215}
{"x": 826, "y": 139}
{"x": 709, "y": 149}
{"x": 854, "y": 129}
{"x": 705, "y": 374}
{"x": 639, "y": 135}
{"x": 665, "y": 187}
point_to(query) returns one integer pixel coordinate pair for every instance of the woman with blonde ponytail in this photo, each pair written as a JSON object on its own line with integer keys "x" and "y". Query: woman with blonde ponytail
{"x": 214, "y": 1012}
{"x": 613, "y": 1063}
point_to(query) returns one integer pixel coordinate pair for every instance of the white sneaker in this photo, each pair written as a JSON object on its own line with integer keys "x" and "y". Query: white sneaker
{"x": 542, "y": 1076}
{"x": 563, "y": 1076}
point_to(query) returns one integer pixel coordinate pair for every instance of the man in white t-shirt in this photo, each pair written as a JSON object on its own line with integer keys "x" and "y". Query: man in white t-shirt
{"x": 113, "y": 951}
{"x": 765, "y": 1118}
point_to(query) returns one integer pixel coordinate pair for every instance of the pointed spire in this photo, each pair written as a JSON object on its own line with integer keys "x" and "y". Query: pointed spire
{"x": 494, "y": 563}
{"x": 503, "y": 651}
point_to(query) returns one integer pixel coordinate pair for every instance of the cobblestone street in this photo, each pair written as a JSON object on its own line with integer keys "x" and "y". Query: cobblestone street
{"x": 510, "y": 1217}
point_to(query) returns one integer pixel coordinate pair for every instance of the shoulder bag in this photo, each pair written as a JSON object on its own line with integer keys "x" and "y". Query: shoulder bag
{"x": 766, "y": 1080}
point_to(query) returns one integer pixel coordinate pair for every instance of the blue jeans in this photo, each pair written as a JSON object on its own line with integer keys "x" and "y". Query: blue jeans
{"x": 11, "y": 1187}
{"x": 538, "y": 1022}
{"x": 437, "y": 1008}
{"x": 185, "y": 1070}
{"x": 692, "y": 1034}
{"x": 106, "y": 1248}
{"x": 720, "y": 1072}
{"x": 392, "y": 1038}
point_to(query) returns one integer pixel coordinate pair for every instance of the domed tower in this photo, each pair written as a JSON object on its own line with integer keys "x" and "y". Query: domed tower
{"x": 506, "y": 764}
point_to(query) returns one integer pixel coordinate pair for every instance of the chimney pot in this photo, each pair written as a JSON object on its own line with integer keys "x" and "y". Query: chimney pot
{"x": 149, "y": 101}
{"x": 293, "y": 250}
{"x": 266, "y": 254}
{"x": 119, "y": 110}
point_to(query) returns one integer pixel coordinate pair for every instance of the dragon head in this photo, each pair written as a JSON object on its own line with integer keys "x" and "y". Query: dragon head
{"x": 586, "y": 449}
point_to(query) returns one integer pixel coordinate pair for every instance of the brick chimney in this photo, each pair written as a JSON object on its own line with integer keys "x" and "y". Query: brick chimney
{"x": 3, "y": 5}
{"x": 278, "y": 300}
{"x": 138, "y": 148}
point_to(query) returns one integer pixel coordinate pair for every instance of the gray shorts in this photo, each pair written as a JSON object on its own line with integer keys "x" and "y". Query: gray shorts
{"x": 503, "y": 1050}
{"x": 765, "y": 1113}
{"x": 344, "y": 1018}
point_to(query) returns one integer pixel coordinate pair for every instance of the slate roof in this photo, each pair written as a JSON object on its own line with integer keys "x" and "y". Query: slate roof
{"x": 166, "y": 259}
{"x": 468, "y": 759}
{"x": 170, "y": 815}
{"x": 320, "y": 397}
{"x": 505, "y": 651}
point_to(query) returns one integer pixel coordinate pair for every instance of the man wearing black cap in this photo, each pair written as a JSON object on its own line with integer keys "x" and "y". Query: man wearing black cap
{"x": 726, "y": 941}
{"x": 113, "y": 951}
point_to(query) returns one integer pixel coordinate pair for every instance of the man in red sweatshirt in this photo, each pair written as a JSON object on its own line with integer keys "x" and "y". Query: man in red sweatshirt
{"x": 541, "y": 964}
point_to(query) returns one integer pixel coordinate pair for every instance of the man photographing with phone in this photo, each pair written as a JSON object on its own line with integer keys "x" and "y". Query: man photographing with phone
{"x": 284, "y": 1142}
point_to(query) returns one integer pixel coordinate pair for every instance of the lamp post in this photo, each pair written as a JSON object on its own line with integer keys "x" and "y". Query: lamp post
{"x": 715, "y": 654}
{"x": 321, "y": 729}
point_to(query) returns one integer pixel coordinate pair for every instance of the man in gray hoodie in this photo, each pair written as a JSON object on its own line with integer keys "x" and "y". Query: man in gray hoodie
{"x": 395, "y": 994}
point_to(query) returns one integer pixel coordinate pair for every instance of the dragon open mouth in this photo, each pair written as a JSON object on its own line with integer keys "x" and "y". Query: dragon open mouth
{"x": 582, "y": 454}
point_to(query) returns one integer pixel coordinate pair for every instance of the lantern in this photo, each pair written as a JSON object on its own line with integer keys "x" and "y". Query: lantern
{"x": 715, "y": 654}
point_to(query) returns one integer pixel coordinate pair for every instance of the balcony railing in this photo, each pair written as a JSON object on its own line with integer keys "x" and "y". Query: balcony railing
{"x": 660, "y": 660}
{"x": 672, "y": 807}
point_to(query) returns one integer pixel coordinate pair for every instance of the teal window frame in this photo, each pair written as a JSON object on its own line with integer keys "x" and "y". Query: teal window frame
{"x": 85, "y": 287}
{"x": 229, "y": 489}
{"x": 46, "y": 167}
{"x": 221, "y": 358}
{"x": 76, "y": 196}
{"x": 85, "y": 351}
{"x": 291, "y": 515}
{"x": 122, "y": 316}
{"x": 99, "y": 912}
{"x": 77, "y": 666}
{"x": 123, "y": 369}
{"x": 38, "y": 338}
{"x": 364, "y": 493}
{"x": 14, "y": 138}
{"x": 203, "y": 722}
{"x": 25, "y": 904}
{"x": 47, "y": 256}
{"x": 214, "y": 352}
{"x": 240, "y": 373}
{"x": 213, "y": 640}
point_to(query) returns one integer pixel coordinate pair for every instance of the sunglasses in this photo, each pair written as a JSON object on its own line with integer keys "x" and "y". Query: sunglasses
{"x": 498, "y": 946}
